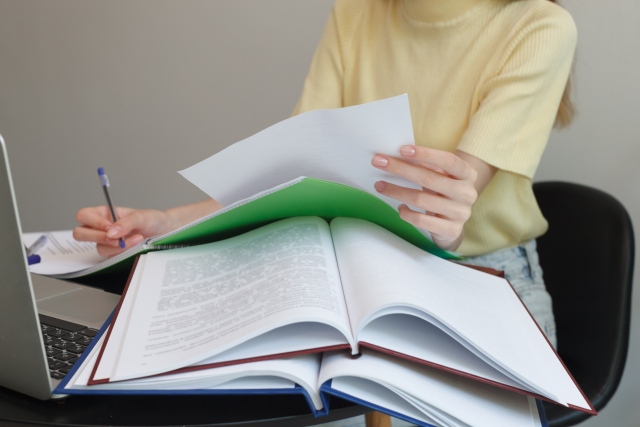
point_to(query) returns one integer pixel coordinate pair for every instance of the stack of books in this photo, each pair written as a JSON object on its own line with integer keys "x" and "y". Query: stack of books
{"x": 317, "y": 287}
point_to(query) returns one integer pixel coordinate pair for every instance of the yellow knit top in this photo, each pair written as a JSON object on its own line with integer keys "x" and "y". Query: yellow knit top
{"x": 488, "y": 82}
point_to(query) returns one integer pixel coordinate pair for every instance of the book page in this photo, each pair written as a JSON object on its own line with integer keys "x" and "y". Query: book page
{"x": 272, "y": 374}
{"x": 379, "y": 271}
{"x": 62, "y": 253}
{"x": 196, "y": 302}
{"x": 256, "y": 383}
{"x": 286, "y": 339}
{"x": 302, "y": 370}
{"x": 382, "y": 396}
{"x": 112, "y": 349}
{"x": 410, "y": 335}
{"x": 439, "y": 395}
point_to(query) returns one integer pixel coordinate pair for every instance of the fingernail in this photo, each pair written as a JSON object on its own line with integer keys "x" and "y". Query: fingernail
{"x": 379, "y": 161}
{"x": 407, "y": 151}
{"x": 114, "y": 231}
{"x": 402, "y": 206}
{"x": 112, "y": 242}
{"x": 379, "y": 186}
{"x": 135, "y": 240}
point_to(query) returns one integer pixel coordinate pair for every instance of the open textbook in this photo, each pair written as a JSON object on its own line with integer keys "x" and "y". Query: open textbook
{"x": 330, "y": 146}
{"x": 416, "y": 393}
{"x": 302, "y": 285}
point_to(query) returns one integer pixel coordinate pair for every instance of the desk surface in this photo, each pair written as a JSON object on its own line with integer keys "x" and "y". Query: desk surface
{"x": 263, "y": 411}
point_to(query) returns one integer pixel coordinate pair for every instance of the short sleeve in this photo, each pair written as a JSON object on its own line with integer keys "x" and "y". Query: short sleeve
{"x": 518, "y": 105}
{"x": 324, "y": 85}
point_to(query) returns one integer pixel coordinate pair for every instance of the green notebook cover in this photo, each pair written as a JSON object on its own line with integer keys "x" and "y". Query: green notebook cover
{"x": 307, "y": 197}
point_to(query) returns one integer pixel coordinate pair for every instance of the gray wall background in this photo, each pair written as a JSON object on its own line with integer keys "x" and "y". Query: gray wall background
{"x": 145, "y": 88}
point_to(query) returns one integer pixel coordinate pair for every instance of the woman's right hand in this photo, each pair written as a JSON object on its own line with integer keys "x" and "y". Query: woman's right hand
{"x": 133, "y": 225}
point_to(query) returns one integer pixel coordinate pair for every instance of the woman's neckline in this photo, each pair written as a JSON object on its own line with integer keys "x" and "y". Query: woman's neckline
{"x": 464, "y": 16}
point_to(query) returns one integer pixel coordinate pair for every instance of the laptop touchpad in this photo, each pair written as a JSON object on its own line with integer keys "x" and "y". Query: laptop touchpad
{"x": 46, "y": 287}
{"x": 74, "y": 303}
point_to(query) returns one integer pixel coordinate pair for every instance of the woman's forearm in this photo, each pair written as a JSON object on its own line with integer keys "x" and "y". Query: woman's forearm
{"x": 186, "y": 214}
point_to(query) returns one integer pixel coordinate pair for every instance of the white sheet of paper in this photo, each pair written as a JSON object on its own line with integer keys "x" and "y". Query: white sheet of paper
{"x": 62, "y": 253}
{"x": 334, "y": 145}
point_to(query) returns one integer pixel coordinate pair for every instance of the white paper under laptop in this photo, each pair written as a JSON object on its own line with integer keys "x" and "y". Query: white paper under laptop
{"x": 62, "y": 253}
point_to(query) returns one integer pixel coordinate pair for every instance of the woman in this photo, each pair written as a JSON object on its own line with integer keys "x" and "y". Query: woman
{"x": 485, "y": 80}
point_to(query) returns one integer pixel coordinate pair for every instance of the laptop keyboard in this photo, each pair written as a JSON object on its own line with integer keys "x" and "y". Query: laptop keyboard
{"x": 64, "y": 343}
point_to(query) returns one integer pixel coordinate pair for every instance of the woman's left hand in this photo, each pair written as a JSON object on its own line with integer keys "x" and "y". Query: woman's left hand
{"x": 448, "y": 191}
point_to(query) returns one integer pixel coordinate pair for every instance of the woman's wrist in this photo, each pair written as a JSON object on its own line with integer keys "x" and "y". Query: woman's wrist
{"x": 449, "y": 245}
{"x": 173, "y": 219}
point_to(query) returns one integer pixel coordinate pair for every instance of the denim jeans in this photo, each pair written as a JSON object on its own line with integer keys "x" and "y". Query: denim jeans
{"x": 522, "y": 269}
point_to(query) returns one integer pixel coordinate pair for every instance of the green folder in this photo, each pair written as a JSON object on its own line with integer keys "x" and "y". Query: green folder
{"x": 302, "y": 197}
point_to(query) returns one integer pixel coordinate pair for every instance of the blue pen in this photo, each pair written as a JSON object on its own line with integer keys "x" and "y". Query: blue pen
{"x": 105, "y": 187}
{"x": 32, "y": 259}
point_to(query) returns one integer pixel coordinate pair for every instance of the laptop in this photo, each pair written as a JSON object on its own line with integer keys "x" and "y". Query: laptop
{"x": 45, "y": 323}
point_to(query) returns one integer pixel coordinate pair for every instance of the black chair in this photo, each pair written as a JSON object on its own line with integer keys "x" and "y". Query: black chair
{"x": 587, "y": 257}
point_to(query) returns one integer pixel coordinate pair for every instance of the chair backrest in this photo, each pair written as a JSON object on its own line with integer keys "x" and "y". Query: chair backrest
{"x": 587, "y": 257}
